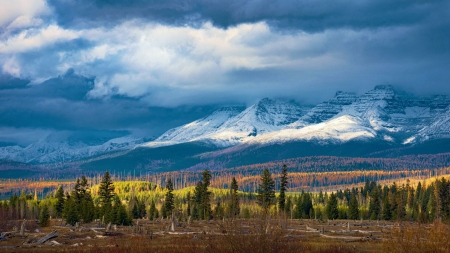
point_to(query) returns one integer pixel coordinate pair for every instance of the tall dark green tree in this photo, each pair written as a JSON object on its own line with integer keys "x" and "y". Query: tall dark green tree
{"x": 106, "y": 194}
{"x": 206, "y": 195}
{"x": 375, "y": 205}
{"x": 71, "y": 213}
{"x": 168, "y": 199}
{"x": 234, "y": 201}
{"x": 266, "y": 191}
{"x": 119, "y": 214}
{"x": 283, "y": 188}
{"x": 386, "y": 212}
{"x": 307, "y": 205}
{"x": 353, "y": 208}
{"x": 332, "y": 207}
{"x": 59, "y": 207}
{"x": 44, "y": 217}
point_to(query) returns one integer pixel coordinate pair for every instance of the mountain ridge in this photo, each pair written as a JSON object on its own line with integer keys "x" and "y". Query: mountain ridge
{"x": 381, "y": 115}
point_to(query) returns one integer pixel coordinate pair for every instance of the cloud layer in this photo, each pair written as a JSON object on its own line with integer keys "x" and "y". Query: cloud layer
{"x": 124, "y": 57}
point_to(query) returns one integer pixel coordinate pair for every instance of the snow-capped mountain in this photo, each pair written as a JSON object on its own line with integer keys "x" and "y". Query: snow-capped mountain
{"x": 325, "y": 110}
{"x": 198, "y": 128}
{"x": 383, "y": 115}
{"x": 380, "y": 114}
{"x": 58, "y": 147}
{"x": 230, "y": 126}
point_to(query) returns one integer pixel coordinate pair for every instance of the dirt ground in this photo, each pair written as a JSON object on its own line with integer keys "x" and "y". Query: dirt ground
{"x": 276, "y": 235}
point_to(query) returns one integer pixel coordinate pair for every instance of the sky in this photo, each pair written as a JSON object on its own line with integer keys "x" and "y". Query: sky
{"x": 145, "y": 66}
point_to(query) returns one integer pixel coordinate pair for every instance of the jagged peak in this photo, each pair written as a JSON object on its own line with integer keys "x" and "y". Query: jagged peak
{"x": 384, "y": 87}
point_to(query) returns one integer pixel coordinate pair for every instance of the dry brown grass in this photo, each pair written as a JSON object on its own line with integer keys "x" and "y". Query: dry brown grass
{"x": 413, "y": 237}
{"x": 248, "y": 236}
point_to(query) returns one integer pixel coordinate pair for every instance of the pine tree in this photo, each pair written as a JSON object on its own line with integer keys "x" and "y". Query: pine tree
{"x": 153, "y": 211}
{"x": 353, "y": 209}
{"x": 283, "y": 187}
{"x": 307, "y": 205}
{"x": 44, "y": 217}
{"x": 59, "y": 207}
{"x": 206, "y": 195}
{"x": 168, "y": 199}
{"x": 299, "y": 208}
{"x": 387, "y": 215}
{"x": 375, "y": 205}
{"x": 266, "y": 191}
{"x": 234, "y": 202}
{"x": 70, "y": 212}
{"x": 332, "y": 207}
{"x": 106, "y": 194}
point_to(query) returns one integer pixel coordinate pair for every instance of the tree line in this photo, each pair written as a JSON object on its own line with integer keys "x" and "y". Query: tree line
{"x": 121, "y": 202}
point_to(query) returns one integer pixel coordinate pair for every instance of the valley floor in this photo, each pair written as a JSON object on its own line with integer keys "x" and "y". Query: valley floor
{"x": 241, "y": 235}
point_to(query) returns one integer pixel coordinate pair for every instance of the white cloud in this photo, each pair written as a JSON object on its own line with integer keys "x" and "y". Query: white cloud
{"x": 11, "y": 67}
{"x": 31, "y": 39}
{"x": 154, "y": 56}
{"x": 21, "y": 13}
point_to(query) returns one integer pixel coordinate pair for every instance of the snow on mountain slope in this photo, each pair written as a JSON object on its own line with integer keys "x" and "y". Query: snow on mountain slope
{"x": 325, "y": 110}
{"x": 263, "y": 117}
{"x": 50, "y": 150}
{"x": 339, "y": 129}
{"x": 195, "y": 129}
{"x": 228, "y": 127}
{"x": 374, "y": 108}
{"x": 439, "y": 129}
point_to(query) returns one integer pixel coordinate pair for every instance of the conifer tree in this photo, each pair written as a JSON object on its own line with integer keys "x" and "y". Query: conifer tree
{"x": 168, "y": 199}
{"x": 153, "y": 212}
{"x": 44, "y": 217}
{"x": 234, "y": 202}
{"x": 332, "y": 207}
{"x": 206, "y": 195}
{"x": 283, "y": 187}
{"x": 375, "y": 205}
{"x": 70, "y": 211}
{"x": 59, "y": 207}
{"x": 353, "y": 209}
{"x": 307, "y": 205}
{"x": 387, "y": 215}
{"x": 266, "y": 191}
{"x": 106, "y": 194}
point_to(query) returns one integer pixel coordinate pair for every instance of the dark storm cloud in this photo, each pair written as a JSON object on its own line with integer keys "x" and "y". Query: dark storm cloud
{"x": 309, "y": 15}
{"x": 61, "y": 104}
{"x": 147, "y": 66}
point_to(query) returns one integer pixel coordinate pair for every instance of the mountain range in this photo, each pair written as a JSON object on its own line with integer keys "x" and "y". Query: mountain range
{"x": 382, "y": 122}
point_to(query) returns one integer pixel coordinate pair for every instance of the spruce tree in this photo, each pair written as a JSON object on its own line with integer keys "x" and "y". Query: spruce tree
{"x": 234, "y": 202}
{"x": 44, "y": 217}
{"x": 387, "y": 215}
{"x": 70, "y": 211}
{"x": 168, "y": 199}
{"x": 106, "y": 194}
{"x": 153, "y": 212}
{"x": 332, "y": 207}
{"x": 283, "y": 187}
{"x": 307, "y": 205}
{"x": 266, "y": 191}
{"x": 375, "y": 205}
{"x": 353, "y": 209}
{"x": 59, "y": 207}
{"x": 206, "y": 195}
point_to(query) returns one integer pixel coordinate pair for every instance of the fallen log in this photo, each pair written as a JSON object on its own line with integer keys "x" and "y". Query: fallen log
{"x": 52, "y": 235}
{"x": 5, "y": 235}
{"x": 311, "y": 229}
